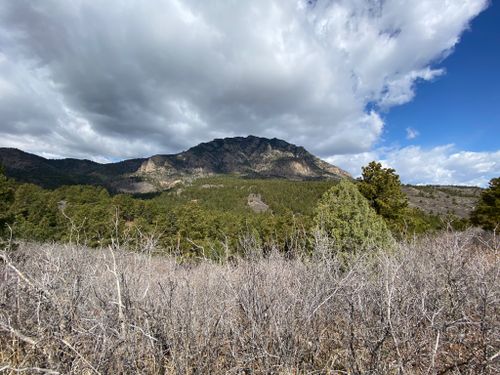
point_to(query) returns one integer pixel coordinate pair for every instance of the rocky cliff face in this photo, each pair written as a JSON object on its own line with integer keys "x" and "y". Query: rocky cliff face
{"x": 251, "y": 156}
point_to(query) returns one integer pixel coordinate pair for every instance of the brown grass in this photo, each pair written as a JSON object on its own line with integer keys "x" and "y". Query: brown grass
{"x": 432, "y": 307}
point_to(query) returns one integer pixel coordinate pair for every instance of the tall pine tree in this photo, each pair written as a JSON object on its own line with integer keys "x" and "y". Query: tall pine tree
{"x": 382, "y": 187}
{"x": 487, "y": 212}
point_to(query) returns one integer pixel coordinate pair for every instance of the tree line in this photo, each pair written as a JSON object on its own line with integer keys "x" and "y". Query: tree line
{"x": 210, "y": 216}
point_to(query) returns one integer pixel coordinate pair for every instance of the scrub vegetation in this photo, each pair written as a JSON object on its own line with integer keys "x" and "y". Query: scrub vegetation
{"x": 427, "y": 307}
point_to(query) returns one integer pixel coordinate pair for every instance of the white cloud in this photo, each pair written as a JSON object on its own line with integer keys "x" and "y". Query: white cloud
{"x": 353, "y": 162}
{"x": 439, "y": 165}
{"x": 120, "y": 78}
{"x": 400, "y": 89}
{"x": 411, "y": 133}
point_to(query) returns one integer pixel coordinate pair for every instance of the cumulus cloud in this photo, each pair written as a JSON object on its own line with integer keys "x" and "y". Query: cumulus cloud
{"x": 438, "y": 165}
{"x": 117, "y": 79}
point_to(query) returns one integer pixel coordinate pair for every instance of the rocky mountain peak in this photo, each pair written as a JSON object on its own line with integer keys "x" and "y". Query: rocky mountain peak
{"x": 251, "y": 156}
{"x": 248, "y": 156}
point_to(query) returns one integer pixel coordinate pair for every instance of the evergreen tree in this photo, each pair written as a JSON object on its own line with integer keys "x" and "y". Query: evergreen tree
{"x": 346, "y": 217}
{"x": 487, "y": 212}
{"x": 382, "y": 188}
{"x": 6, "y": 199}
{"x": 35, "y": 214}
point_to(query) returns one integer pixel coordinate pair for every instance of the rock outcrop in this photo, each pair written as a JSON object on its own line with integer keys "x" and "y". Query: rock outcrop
{"x": 250, "y": 157}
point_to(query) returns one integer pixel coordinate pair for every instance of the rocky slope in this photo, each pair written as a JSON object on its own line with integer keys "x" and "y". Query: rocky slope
{"x": 444, "y": 200}
{"x": 245, "y": 156}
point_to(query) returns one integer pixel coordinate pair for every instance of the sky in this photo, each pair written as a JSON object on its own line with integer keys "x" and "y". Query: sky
{"x": 413, "y": 84}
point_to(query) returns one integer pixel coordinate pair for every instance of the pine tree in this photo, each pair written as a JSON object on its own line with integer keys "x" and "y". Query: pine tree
{"x": 487, "y": 212}
{"x": 382, "y": 188}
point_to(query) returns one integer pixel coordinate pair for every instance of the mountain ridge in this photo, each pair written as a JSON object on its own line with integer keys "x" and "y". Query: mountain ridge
{"x": 249, "y": 156}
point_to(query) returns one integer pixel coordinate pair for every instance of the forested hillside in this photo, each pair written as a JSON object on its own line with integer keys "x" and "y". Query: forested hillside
{"x": 197, "y": 218}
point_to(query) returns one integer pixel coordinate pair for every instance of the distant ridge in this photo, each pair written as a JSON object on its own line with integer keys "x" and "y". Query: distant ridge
{"x": 245, "y": 156}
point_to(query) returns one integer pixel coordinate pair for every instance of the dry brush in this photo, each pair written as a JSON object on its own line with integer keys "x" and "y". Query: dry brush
{"x": 430, "y": 307}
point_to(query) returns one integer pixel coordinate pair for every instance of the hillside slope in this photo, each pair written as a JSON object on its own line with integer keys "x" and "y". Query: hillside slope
{"x": 443, "y": 200}
{"x": 243, "y": 156}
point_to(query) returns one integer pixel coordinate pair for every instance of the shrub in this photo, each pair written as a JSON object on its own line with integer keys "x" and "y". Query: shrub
{"x": 429, "y": 308}
{"x": 347, "y": 218}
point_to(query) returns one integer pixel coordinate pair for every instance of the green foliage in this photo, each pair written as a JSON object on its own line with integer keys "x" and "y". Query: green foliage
{"x": 415, "y": 222}
{"x": 202, "y": 218}
{"x": 230, "y": 194}
{"x": 346, "y": 217}
{"x": 487, "y": 212}
{"x": 6, "y": 199}
{"x": 35, "y": 213}
{"x": 382, "y": 188}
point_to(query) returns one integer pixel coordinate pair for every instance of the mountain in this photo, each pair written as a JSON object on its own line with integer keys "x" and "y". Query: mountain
{"x": 250, "y": 156}
{"x": 52, "y": 173}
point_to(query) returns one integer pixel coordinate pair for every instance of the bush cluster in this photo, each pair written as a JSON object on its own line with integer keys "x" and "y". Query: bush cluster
{"x": 426, "y": 308}
{"x": 347, "y": 218}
